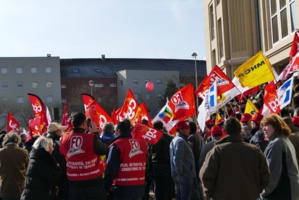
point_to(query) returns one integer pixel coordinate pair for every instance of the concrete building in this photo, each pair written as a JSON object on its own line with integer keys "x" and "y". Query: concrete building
{"x": 22, "y": 75}
{"x": 235, "y": 30}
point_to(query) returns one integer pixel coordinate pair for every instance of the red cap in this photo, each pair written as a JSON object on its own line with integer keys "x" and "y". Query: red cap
{"x": 257, "y": 118}
{"x": 246, "y": 117}
{"x": 182, "y": 124}
{"x": 295, "y": 120}
{"x": 210, "y": 123}
{"x": 216, "y": 130}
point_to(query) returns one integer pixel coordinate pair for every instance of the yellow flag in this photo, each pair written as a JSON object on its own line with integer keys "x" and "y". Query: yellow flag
{"x": 255, "y": 71}
{"x": 218, "y": 118}
{"x": 250, "y": 108}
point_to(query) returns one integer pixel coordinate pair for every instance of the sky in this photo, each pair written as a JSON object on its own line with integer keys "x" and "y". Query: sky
{"x": 170, "y": 29}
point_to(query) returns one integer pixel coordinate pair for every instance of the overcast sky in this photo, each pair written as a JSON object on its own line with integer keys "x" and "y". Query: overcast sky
{"x": 171, "y": 29}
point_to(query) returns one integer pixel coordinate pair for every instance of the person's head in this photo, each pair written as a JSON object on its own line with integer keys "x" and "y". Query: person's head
{"x": 216, "y": 132}
{"x": 158, "y": 125}
{"x": 232, "y": 126}
{"x": 183, "y": 128}
{"x": 79, "y": 120}
{"x": 193, "y": 128}
{"x": 144, "y": 121}
{"x": 246, "y": 118}
{"x": 108, "y": 127}
{"x": 55, "y": 129}
{"x": 289, "y": 122}
{"x": 274, "y": 126}
{"x": 210, "y": 123}
{"x": 23, "y": 136}
{"x": 11, "y": 137}
{"x": 256, "y": 120}
{"x": 45, "y": 143}
{"x": 123, "y": 127}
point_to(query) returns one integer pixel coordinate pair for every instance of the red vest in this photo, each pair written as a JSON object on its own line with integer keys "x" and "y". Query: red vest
{"x": 81, "y": 162}
{"x": 133, "y": 162}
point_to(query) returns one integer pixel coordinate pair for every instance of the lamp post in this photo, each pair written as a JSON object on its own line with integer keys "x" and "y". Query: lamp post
{"x": 91, "y": 84}
{"x": 196, "y": 84}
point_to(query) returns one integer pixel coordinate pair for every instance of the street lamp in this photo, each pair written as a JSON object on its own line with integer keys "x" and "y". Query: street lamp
{"x": 196, "y": 85}
{"x": 91, "y": 84}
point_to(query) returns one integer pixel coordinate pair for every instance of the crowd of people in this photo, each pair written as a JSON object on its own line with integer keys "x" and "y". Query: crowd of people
{"x": 237, "y": 157}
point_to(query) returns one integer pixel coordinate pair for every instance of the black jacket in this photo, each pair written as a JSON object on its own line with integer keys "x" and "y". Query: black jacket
{"x": 42, "y": 174}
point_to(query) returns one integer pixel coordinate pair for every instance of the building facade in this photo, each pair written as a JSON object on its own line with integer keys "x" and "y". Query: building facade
{"x": 235, "y": 30}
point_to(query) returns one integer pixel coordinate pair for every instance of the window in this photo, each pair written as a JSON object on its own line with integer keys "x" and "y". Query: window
{"x": 34, "y": 84}
{"x": 48, "y": 70}
{"x": 211, "y": 22}
{"x": 19, "y": 84}
{"x": 121, "y": 82}
{"x": 4, "y": 70}
{"x": 135, "y": 81}
{"x": 19, "y": 70}
{"x": 293, "y": 17}
{"x": 280, "y": 10}
{"x": 112, "y": 85}
{"x": 49, "y": 84}
{"x": 75, "y": 71}
{"x": 33, "y": 70}
{"x": 63, "y": 86}
{"x": 49, "y": 99}
{"x": 159, "y": 96}
{"x": 98, "y": 70}
{"x": 159, "y": 82}
{"x": 146, "y": 80}
{"x": 99, "y": 85}
{"x": 4, "y": 85}
{"x": 20, "y": 99}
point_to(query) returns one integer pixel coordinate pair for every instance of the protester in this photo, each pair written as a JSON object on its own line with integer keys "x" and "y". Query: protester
{"x": 43, "y": 171}
{"x": 13, "y": 165}
{"x": 196, "y": 143}
{"x": 182, "y": 164}
{"x": 216, "y": 133}
{"x": 234, "y": 169}
{"x": 246, "y": 127}
{"x": 23, "y": 140}
{"x": 55, "y": 131}
{"x": 163, "y": 183}
{"x": 84, "y": 165}
{"x": 126, "y": 165}
{"x": 282, "y": 161}
{"x": 108, "y": 133}
{"x": 259, "y": 139}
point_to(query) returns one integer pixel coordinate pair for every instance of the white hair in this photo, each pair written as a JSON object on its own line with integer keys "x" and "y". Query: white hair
{"x": 43, "y": 142}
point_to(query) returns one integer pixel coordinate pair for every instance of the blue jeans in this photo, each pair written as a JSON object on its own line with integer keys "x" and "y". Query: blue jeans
{"x": 90, "y": 193}
{"x": 184, "y": 191}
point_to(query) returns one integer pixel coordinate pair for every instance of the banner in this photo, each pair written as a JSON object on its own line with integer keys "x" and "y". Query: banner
{"x": 256, "y": 71}
{"x": 66, "y": 120}
{"x": 129, "y": 108}
{"x": 12, "y": 123}
{"x": 146, "y": 134}
{"x": 39, "y": 111}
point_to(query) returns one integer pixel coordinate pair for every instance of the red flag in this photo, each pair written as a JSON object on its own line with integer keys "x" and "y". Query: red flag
{"x": 146, "y": 134}
{"x": 129, "y": 108}
{"x": 294, "y": 47}
{"x": 142, "y": 113}
{"x": 97, "y": 114}
{"x": 34, "y": 127}
{"x": 115, "y": 114}
{"x": 87, "y": 100}
{"x": 40, "y": 111}
{"x": 66, "y": 120}
{"x": 248, "y": 92}
{"x": 12, "y": 123}
{"x": 224, "y": 83}
{"x": 184, "y": 103}
{"x": 271, "y": 98}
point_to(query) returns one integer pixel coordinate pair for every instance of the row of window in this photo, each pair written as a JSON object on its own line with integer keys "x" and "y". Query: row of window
{"x": 20, "y": 70}
{"x": 21, "y": 99}
{"x": 76, "y": 70}
{"x": 136, "y": 81}
{"x": 20, "y": 84}
{"x": 97, "y": 85}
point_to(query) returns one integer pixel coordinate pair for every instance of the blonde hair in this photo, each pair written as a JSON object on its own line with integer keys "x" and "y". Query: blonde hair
{"x": 279, "y": 125}
{"x": 43, "y": 142}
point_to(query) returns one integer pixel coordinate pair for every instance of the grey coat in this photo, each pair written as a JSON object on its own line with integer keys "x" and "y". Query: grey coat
{"x": 182, "y": 160}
